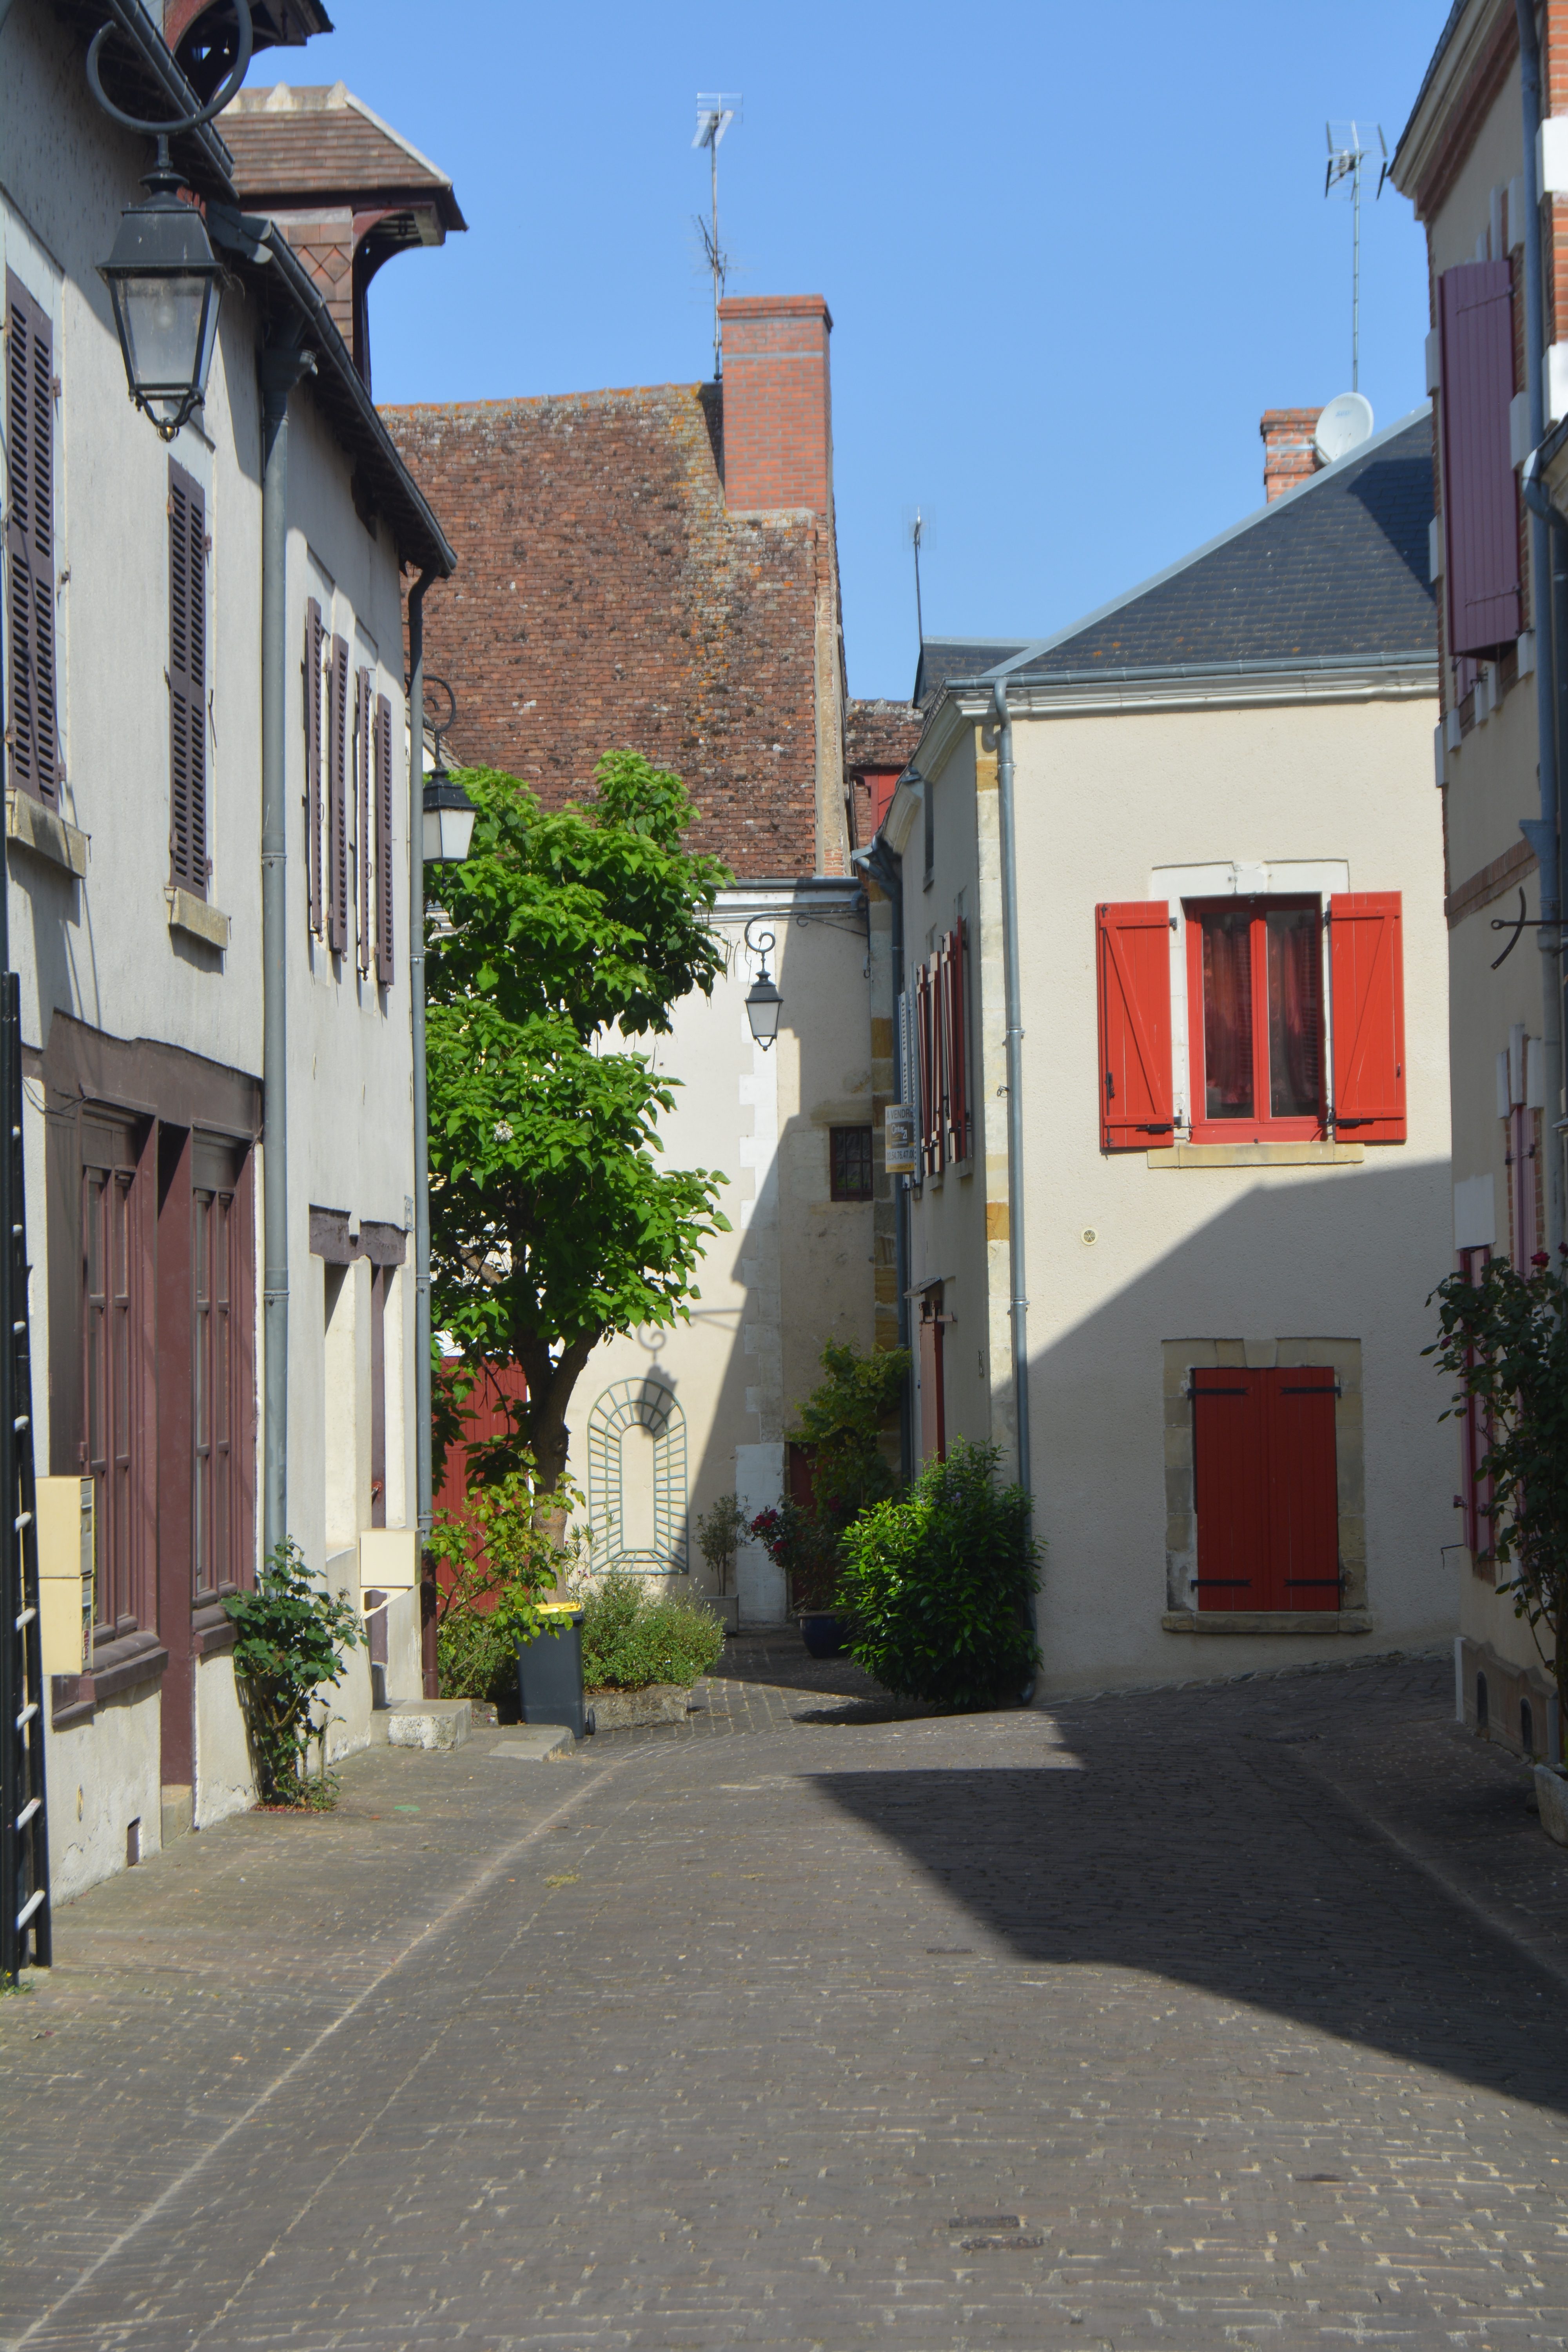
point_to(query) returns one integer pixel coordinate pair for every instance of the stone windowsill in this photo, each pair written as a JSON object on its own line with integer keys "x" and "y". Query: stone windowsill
{"x": 47, "y": 834}
{"x": 1258, "y": 1155}
{"x": 1267, "y": 1620}
{"x": 192, "y": 916}
{"x": 123, "y": 1665}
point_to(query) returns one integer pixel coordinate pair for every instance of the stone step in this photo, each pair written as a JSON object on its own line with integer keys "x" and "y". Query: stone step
{"x": 442, "y": 1723}
{"x": 535, "y": 1743}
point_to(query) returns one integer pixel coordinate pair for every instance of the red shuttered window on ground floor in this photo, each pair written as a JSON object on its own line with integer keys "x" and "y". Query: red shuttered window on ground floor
{"x": 1266, "y": 1488}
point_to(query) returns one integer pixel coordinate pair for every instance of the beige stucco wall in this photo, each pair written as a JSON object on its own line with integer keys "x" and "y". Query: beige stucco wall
{"x": 1259, "y": 1254}
{"x": 795, "y": 1270}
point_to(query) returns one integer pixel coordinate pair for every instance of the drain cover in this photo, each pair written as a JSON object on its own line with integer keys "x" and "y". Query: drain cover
{"x": 985, "y": 2222}
{"x": 1014, "y": 2242}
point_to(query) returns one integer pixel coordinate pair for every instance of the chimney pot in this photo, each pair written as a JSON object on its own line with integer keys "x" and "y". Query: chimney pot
{"x": 1289, "y": 455}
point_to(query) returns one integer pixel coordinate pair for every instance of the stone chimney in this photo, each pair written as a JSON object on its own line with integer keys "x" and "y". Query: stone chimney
{"x": 1289, "y": 456}
{"x": 778, "y": 409}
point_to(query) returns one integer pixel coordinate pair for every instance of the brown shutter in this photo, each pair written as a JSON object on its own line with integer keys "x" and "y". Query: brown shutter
{"x": 313, "y": 758}
{"x": 384, "y": 933}
{"x": 365, "y": 817}
{"x": 34, "y": 765}
{"x": 187, "y": 683}
{"x": 337, "y": 800}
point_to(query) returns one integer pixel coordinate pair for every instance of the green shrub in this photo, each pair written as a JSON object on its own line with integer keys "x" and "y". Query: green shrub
{"x": 632, "y": 1637}
{"x": 477, "y": 1655}
{"x": 937, "y": 1585}
{"x": 293, "y": 1637}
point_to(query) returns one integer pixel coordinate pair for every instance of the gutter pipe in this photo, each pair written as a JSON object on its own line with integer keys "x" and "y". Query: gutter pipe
{"x": 422, "y": 1399}
{"x": 1541, "y": 832}
{"x": 282, "y": 366}
{"x": 1019, "y": 1307}
{"x": 889, "y": 870}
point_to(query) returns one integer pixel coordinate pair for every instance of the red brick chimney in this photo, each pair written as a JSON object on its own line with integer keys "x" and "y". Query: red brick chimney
{"x": 778, "y": 408}
{"x": 1289, "y": 456}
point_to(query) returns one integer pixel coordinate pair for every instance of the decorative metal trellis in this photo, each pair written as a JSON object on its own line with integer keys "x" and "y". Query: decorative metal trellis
{"x": 645, "y": 1404}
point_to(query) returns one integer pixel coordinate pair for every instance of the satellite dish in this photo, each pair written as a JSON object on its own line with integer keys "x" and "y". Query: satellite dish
{"x": 1343, "y": 425}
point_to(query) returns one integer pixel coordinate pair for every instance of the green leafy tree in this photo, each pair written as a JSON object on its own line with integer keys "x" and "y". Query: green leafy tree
{"x": 1504, "y": 1339}
{"x": 552, "y": 1224}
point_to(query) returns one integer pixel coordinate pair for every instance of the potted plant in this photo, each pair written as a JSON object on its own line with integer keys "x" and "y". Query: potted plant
{"x": 806, "y": 1549}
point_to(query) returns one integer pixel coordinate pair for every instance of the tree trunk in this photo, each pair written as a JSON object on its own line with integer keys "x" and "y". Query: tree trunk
{"x": 550, "y": 1387}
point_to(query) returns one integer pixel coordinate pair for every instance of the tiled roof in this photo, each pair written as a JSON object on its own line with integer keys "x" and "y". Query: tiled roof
{"x": 880, "y": 733}
{"x": 293, "y": 146}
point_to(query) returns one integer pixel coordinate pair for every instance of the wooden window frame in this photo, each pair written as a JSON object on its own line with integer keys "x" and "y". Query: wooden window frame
{"x": 1257, "y": 1128}
{"x": 946, "y": 1110}
{"x": 222, "y": 1512}
{"x": 838, "y": 1189}
{"x": 118, "y": 1386}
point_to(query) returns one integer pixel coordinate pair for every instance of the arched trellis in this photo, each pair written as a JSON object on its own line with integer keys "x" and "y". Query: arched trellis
{"x": 638, "y": 1404}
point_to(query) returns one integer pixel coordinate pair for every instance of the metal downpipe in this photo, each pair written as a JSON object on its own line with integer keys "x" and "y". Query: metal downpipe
{"x": 1542, "y": 831}
{"x": 1018, "y": 1304}
{"x": 282, "y": 366}
{"x": 423, "y": 1469}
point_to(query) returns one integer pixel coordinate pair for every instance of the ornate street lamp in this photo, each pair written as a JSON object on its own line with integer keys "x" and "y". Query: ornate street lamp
{"x": 449, "y": 814}
{"x": 763, "y": 1002}
{"x": 163, "y": 277}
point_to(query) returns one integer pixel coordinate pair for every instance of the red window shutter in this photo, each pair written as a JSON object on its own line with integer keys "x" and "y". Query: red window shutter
{"x": 925, "y": 1067}
{"x": 384, "y": 931}
{"x": 1366, "y": 962}
{"x": 1136, "y": 1096}
{"x": 34, "y": 764}
{"x": 957, "y": 1138}
{"x": 1303, "y": 1488}
{"x": 338, "y": 799}
{"x": 1480, "y": 495}
{"x": 313, "y": 758}
{"x": 1230, "y": 1489}
{"x": 364, "y": 816}
{"x": 187, "y": 683}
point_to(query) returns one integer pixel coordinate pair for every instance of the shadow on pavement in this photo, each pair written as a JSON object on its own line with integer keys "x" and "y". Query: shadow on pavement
{"x": 1222, "y": 1865}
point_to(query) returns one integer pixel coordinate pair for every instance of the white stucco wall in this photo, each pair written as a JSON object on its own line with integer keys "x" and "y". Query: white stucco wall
{"x": 1260, "y": 1255}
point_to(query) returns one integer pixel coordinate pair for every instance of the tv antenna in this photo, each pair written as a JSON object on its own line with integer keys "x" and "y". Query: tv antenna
{"x": 917, "y": 536}
{"x": 716, "y": 110}
{"x": 1348, "y": 152}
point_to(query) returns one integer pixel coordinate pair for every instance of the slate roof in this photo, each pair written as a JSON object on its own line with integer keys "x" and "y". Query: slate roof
{"x": 1336, "y": 569}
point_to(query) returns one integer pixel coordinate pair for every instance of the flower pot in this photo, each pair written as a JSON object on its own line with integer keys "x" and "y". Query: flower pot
{"x": 549, "y": 1673}
{"x": 823, "y": 1636}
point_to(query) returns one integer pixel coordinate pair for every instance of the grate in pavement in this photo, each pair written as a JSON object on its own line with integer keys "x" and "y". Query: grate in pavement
{"x": 985, "y": 2222}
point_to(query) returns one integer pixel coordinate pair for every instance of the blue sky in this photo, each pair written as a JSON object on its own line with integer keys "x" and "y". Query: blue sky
{"x": 1071, "y": 254}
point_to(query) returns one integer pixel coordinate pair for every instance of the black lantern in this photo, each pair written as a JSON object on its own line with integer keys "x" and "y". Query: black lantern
{"x": 163, "y": 277}
{"x": 449, "y": 814}
{"x": 164, "y": 281}
{"x": 763, "y": 1002}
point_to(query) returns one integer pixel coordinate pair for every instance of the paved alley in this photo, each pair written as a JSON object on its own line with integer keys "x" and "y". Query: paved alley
{"x": 1198, "y": 2019}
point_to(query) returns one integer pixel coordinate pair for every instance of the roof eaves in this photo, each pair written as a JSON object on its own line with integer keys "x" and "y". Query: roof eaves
{"x": 1222, "y": 539}
{"x": 442, "y": 178}
{"x": 1427, "y": 78}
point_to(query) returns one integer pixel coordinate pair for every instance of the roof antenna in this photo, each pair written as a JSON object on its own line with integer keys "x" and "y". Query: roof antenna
{"x": 916, "y": 533}
{"x": 716, "y": 110}
{"x": 1346, "y": 155}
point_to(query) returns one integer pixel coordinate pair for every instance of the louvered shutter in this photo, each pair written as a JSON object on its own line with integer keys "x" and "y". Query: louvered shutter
{"x": 187, "y": 683}
{"x": 929, "y": 1073}
{"x": 384, "y": 931}
{"x": 34, "y": 763}
{"x": 338, "y": 798}
{"x": 1136, "y": 1096}
{"x": 1480, "y": 495}
{"x": 1366, "y": 965}
{"x": 313, "y": 633}
{"x": 1303, "y": 1489}
{"x": 364, "y": 818}
{"x": 957, "y": 1138}
{"x": 1230, "y": 1489}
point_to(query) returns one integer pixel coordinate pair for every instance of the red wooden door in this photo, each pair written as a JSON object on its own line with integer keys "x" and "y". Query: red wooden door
{"x": 1265, "y": 1483}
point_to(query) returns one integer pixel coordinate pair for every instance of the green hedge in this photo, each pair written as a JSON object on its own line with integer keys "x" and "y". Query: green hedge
{"x": 937, "y": 1585}
{"x": 632, "y": 1637}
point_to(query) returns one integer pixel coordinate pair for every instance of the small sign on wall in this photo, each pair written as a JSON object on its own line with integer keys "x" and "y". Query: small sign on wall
{"x": 899, "y": 1139}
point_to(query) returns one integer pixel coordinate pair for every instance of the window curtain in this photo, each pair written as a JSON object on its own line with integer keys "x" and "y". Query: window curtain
{"x": 1228, "y": 1016}
{"x": 1295, "y": 1014}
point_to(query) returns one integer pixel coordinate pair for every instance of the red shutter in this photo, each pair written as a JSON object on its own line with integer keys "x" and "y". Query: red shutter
{"x": 1480, "y": 495}
{"x": 338, "y": 799}
{"x": 365, "y": 819}
{"x": 1366, "y": 958}
{"x": 1230, "y": 1489}
{"x": 383, "y": 931}
{"x": 187, "y": 683}
{"x": 313, "y": 758}
{"x": 958, "y": 1138}
{"x": 1303, "y": 1489}
{"x": 1136, "y": 1097}
{"x": 34, "y": 765}
{"x": 930, "y": 1083}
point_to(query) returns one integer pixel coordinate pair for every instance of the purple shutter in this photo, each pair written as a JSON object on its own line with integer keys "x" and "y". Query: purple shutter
{"x": 1480, "y": 497}
{"x": 30, "y": 545}
{"x": 313, "y": 759}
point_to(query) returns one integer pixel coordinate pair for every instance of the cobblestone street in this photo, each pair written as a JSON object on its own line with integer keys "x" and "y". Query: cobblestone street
{"x": 1204, "y": 2017}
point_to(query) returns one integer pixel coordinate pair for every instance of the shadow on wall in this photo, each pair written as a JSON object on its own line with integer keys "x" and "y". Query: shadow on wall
{"x": 1351, "y": 1256}
{"x": 1214, "y": 1863}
